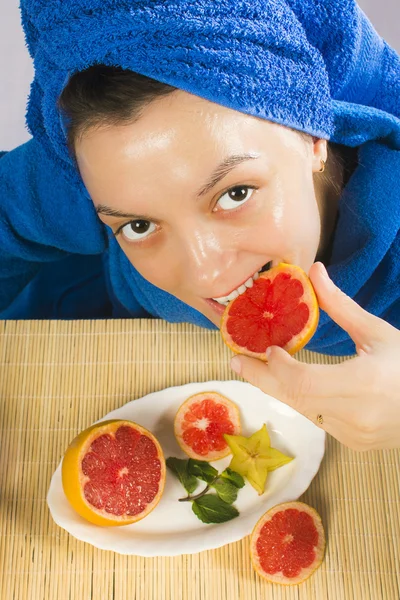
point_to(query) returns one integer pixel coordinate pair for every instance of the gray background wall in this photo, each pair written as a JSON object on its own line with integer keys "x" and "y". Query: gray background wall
{"x": 16, "y": 68}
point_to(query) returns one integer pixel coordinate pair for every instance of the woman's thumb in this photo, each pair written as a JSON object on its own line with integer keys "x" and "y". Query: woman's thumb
{"x": 358, "y": 323}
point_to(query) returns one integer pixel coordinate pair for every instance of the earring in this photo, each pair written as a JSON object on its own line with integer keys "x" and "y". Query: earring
{"x": 322, "y": 169}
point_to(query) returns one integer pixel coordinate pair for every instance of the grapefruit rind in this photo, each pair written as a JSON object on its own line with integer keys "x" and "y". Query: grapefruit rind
{"x": 319, "y": 550}
{"x": 72, "y": 478}
{"x": 309, "y": 297}
{"x": 234, "y": 415}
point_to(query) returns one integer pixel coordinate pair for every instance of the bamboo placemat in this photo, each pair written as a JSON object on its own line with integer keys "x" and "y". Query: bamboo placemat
{"x": 57, "y": 378}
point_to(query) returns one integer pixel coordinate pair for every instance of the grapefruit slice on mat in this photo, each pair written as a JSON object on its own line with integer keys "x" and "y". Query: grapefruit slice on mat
{"x": 201, "y": 422}
{"x": 288, "y": 543}
{"x": 280, "y": 309}
{"x": 113, "y": 473}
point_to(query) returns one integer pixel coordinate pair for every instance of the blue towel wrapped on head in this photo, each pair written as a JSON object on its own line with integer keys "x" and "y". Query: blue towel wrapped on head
{"x": 316, "y": 66}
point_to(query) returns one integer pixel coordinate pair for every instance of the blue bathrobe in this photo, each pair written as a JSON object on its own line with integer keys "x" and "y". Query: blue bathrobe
{"x": 57, "y": 260}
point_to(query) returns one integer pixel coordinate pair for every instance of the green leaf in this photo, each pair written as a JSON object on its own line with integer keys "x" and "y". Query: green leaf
{"x": 179, "y": 467}
{"x": 211, "y": 509}
{"x": 202, "y": 469}
{"x": 233, "y": 477}
{"x": 226, "y": 490}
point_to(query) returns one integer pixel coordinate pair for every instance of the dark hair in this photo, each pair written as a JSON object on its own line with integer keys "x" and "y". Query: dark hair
{"x": 102, "y": 95}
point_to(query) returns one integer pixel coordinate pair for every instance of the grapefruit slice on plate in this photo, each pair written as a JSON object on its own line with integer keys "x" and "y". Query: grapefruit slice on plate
{"x": 288, "y": 543}
{"x": 280, "y": 309}
{"x": 201, "y": 422}
{"x": 113, "y": 473}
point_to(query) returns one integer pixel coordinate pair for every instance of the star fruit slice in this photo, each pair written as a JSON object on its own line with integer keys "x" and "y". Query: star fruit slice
{"x": 253, "y": 457}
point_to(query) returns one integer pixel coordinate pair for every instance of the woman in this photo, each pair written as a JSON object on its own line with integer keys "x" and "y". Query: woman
{"x": 179, "y": 149}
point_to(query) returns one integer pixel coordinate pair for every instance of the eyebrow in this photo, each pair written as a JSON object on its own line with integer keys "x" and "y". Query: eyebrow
{"x": 225, "y": 167}
{"x": 103, "y": 209}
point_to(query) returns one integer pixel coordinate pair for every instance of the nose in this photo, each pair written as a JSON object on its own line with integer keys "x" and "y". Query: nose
{"x": 206, "y": 256}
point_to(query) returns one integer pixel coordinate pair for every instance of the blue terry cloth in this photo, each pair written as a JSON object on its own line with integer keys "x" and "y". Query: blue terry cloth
{"x": 43, "y": 218}
{"x": 362, "y": 67}
{"x": 73, "y": 287}
{"x": 222, "y": 50}
{"x": 319, "y": 67}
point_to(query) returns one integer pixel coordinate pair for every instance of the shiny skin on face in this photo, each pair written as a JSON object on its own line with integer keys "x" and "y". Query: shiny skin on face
{"x": 201, "y": 197}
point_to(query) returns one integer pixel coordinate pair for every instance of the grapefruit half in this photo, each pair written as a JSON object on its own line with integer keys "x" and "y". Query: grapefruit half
{"x": 280, "y": 309}
{"x": 201, "y": 422}
{"x": 288, "y": 543}
{"x": 113, "y": 473}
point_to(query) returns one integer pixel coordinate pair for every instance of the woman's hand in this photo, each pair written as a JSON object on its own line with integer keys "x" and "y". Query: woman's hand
{"x": 359, "y": 399}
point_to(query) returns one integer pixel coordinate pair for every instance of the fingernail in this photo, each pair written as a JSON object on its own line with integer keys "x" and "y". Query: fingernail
{"x": 236, "y": 364}
{"x": 268, "y": 352}
{"x": 324, "y": 273}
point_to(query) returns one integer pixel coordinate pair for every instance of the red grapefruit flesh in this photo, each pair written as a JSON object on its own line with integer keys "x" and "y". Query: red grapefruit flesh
{"x": 113, "y": 473}
{"x": 288, "y": 543}
{"x": 201, "y": 422}
{"x": 281, "y": 309}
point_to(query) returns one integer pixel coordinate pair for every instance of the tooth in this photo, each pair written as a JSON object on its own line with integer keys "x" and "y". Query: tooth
{"x": 222, "y": 300}
{"x": 240, "y": 290}
{"x": 233, "y": 295}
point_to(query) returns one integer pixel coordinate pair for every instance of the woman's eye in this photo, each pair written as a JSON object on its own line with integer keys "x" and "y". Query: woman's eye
{"x": 235, "y": 197}
{"x": 137, "y": 230}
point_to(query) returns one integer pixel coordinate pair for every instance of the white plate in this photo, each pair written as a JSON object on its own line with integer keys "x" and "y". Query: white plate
{"x": 172, "y": 528}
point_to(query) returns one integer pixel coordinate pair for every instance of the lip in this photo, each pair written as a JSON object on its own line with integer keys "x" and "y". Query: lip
{"x": 216, "y": 306}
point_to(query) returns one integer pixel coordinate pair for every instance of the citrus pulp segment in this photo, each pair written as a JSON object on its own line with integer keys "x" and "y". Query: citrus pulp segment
{"x": 280, "y": 309}
{"x": 113, "y": 473}
{"x": 288, "y": 543}
{"x": 201, "y": 422}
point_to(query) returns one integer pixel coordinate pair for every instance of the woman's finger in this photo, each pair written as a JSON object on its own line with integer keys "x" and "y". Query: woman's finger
{"x": 319, "y": 392}
{"x": 303, "y": 387}
{"x": 363, "y": 328}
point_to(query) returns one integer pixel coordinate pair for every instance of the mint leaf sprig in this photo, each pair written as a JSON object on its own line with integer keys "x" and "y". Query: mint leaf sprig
{"x": 209, "y": 508}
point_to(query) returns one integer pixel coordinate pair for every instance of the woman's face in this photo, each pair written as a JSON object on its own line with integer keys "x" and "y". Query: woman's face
{"x": 201, "y": 197}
